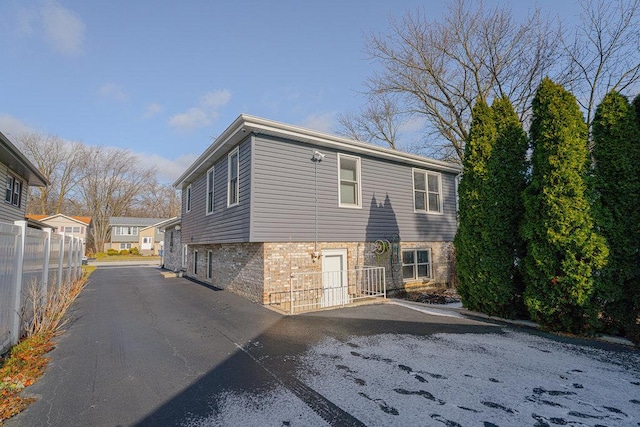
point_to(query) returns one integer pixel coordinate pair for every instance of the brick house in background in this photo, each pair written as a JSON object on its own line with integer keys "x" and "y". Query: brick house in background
{"x": 76, "y": 226}
{"x": 125, "y": 232}
{"x": 17, "y": 173}
{"x": 267, "y": 199}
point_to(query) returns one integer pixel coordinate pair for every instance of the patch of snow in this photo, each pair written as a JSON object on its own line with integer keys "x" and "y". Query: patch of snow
{"x": 277, "y": 408}
{"x": 508, "y": 378}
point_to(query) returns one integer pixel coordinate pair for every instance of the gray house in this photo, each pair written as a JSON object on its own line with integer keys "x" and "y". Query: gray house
{"x": 269, "y": 202}
{"x": 125, "y": 234}
{"x": 16, "y": 174}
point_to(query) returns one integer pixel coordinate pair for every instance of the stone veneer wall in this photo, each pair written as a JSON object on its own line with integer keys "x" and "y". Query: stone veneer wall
{"x": 261, "y": 272}
{"x": 283, "y": 258}
{"x": 172, "y": 255}
{"x": 237, "y": 267}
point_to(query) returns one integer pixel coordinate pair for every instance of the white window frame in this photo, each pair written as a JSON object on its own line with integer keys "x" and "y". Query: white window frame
{"x": 358, "y": 182}
{"x": 8, "y": 195}
{"x": 210, "y": 191}
{"x": 209, "y": 264}
{"x": 235, "y": 152}
{"x": 188, "y": 201}
{"x": 13, "y": 191}
{"x": 426, "y": 192}
{"x": 415, "y": 264}
{"x": 185, "y": 252}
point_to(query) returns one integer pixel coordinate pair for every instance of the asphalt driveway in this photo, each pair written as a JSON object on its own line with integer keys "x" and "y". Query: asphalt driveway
{"x": 142, "y": 350}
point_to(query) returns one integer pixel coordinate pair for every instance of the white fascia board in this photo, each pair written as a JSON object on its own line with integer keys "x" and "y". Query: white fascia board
{"x": 246, "y": 124}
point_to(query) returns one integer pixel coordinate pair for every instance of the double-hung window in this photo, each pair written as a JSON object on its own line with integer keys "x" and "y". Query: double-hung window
{"x": 13, "y": 193}
{"x": 427, "y": 191}
{"x": 210, "y": 176}
{"x": 416, "y": 264}
{"x": 233, "y": 178}
{"x": 349, "y": 181}
{"x": 188, "y": 201}
{"x": 195, "y": 262}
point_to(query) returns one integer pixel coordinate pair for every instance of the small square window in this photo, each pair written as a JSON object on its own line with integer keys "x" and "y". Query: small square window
{"x": 416, "y": 264}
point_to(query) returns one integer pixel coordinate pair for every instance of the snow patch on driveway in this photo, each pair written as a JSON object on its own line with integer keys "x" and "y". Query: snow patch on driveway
{"x": 505, "y": 378}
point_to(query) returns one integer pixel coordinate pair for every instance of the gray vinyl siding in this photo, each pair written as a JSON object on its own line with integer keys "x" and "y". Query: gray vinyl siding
{"x": 225, "y": 224}
{"x": 9, "y": 212}
{"x": 284, "y": 198}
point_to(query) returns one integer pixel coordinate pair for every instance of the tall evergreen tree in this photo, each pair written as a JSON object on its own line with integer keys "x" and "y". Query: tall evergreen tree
{"x": 471, "y": 239}
{"x": 506, "y": 176}
{"x": 563, "y": 250}
{"x": 616, "y": 154}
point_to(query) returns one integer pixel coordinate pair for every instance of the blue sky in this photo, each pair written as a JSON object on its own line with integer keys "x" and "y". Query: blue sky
{"x": 162, "y": 78}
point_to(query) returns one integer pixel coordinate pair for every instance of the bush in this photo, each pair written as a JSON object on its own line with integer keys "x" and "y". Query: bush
{"x": 124, "y": 252}
{"x": 99, "y": 255}
{"x": 134, "y": 251}
{"x": 563, "y": 249}
{"x": 111, "y": 252}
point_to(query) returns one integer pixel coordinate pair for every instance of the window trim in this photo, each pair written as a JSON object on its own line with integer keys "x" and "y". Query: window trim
{"x": 195, "y": 262}
{"x": 233, "y": 152}
{"x": 185, "y": 256}
{"x": 358, "y": 204}
{"x": 210, "y": 191}
{"x": 416, "y": 264}
{"x": 426, "y": 191}
{"x": 13, "y": 191}
{"x": 188, "y": 201}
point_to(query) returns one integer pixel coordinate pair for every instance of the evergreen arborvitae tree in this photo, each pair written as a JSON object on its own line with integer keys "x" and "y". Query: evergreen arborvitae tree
{"x": 616, "y": 154}
{"x": 504, "y": 209}
{"x": 563, "y": 250}
{"x": 471, "y": 239}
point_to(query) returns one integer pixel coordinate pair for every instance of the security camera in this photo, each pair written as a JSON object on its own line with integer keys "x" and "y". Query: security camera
{"x": 318, "y": 156}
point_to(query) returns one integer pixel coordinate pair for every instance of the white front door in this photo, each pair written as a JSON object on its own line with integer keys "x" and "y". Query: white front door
{"x": 334, "y": 277}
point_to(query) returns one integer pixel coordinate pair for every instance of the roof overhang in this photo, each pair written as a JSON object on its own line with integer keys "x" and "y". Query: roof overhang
{"x": 246, "y": 125}
{"x": 16, "y": 161}
{"x": 169, "y": 223}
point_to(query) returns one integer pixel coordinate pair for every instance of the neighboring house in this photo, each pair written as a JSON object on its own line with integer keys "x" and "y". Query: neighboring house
{"x": 171, "y": 247}
{"x": 76, "y": 226}
{"x": 267, "y": 200}
{"x": 151, "y": 239}
{"x": 125, "y": 232}
{"x": 16, "y": 174}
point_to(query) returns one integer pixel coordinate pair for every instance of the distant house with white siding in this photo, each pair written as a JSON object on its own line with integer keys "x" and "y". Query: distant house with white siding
{"x": 267, "y": 200}
{"x": 125, "y": 233}
{"x": 76, "y": 226}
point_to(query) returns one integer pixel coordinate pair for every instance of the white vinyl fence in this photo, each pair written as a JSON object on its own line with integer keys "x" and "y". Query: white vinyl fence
{"x": 31, "y": 257}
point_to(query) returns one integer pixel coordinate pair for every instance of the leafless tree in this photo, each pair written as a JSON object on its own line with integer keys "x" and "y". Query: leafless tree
{"x": 378, "y": 122}
{"x": 603, "y": 53}
{"x": 156, "y": 200}
{"x": 437, "y": 69}
{"x": 112, "y": 180}
{"x": 60, "y": 162}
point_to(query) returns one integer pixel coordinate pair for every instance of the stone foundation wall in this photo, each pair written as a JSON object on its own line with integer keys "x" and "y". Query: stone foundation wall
{"x": 172, "y": 254}
{"x": 262, "y": 272}
{"x": 236, "y": 267}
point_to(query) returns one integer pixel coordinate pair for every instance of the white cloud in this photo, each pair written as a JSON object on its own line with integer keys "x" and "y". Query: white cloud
{"x": 11, "y": 127}
{"x": 320, "y": 122}
{"x": 152, "y": 110}
{"x": 62, "y": 28}
{"x": 113, "y": 91}
{"x": 168, "y": 169}
{"x": 203, "y": 114}
{"x": 191, "y": 119}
